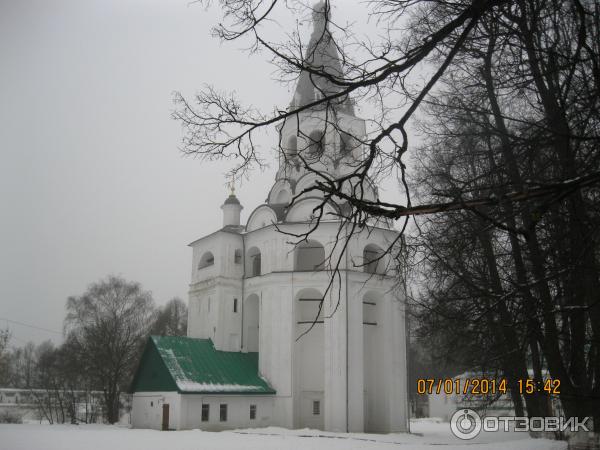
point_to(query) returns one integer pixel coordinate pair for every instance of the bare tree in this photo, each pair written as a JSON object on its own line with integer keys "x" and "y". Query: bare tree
{"x": 331, "y": 78}
{"x": 22, "y": 366}
{"x": 106, "y": 326}
{"x": 4, "y": 357}
{"x": 518, "y": 270}
{"x": 218, "y": 126}
{"x": 171, "y": 319}
{"x": 50, "y": 402}
{"x": 525, "y": 77}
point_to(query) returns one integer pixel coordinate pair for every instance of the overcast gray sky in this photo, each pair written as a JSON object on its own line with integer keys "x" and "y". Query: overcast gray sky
{"x": 91, "y": 180}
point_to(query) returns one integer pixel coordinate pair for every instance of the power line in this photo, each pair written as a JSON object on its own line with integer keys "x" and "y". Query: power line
{"x": 30, "y": 326}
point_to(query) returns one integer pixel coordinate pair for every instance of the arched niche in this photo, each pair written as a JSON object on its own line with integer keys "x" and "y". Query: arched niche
{"x": 316, "y": 145}
{"x": 309, "y": 358}
{"x": 309, "y": 256}
{"x": 284, "y": 197}
{"x": 261, "y": 217}
{"x": 281, "y": 193}
{"x": 348, "y": 143}
{"x": 207, "y": 259}
{"x": 253, "y": 262}
{"x": 251, "y": 323}
{"x": 373, "y": 360}
{"x": 291, "y": 147}
{"x": 373, "y": 259}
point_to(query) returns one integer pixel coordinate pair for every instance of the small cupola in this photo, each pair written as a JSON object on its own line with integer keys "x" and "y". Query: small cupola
{"x": 232, "y": 209}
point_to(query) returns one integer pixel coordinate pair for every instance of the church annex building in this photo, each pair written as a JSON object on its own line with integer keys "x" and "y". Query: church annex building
{"x": 248, "y": 360}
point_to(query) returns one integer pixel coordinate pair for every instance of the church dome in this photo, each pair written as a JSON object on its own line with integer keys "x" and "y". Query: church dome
{"x": 232, "y": 200}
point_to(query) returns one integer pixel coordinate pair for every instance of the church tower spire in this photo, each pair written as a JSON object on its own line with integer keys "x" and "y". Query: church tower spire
{"x": 271, "y": 325}
{"x": 327, "y": 137}
{"x": 321, "y": 55}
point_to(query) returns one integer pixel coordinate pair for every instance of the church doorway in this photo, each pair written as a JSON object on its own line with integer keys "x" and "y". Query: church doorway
{"x": 309, "y": 359}
{"x": 165, "y": 417}
{"x": 373, "y": 363}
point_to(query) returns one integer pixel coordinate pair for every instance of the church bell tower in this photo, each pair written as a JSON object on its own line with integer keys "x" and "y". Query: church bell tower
{"x": 334, "y": 351}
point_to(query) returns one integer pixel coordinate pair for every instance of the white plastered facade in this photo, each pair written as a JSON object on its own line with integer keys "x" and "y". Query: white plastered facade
{"x": 262, "y": 292}
{"x": 337, "y": 367}
{"x": 353, "y": 360}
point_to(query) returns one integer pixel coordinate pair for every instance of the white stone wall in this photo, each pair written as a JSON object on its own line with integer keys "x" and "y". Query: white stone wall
{"x": 238, "y": 411}
{"x": 185, "y": 411}
{"x": 222, "y": 245}
{"x": 213, "y": 290}
{"x": 357, "y": 371}
{"x": 147, "y": 409}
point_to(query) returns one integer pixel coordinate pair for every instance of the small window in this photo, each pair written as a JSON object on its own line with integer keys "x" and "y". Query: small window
{"x": 151, "y": 403}
{"x": 205, "y": 412}
{"x": 347, "y": 143}
{"x": 253, "y": 262}
{"x": 252, "y": 412}
{"x": 316, "y": 408}
{"x": 235, "y": 305}
{"x": 223, "y": 412}
{"x": 292, "y": 147}
{"x": 373, "y": 259}
{"x": 316, "y": 144}
{"x": 237, "y": 256}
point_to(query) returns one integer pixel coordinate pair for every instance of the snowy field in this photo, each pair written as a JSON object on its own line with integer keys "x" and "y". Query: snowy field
{"x": 426, "y": 435}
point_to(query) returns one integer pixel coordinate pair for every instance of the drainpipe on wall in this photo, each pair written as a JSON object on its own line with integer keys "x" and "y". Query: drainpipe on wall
{"x": 243, "y": 284}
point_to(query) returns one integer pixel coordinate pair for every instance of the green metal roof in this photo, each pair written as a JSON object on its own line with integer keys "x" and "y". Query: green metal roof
{"x": 189, "y": 365}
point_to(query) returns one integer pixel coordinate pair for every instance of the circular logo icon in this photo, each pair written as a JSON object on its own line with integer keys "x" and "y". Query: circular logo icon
{"x": 465, "y": 424}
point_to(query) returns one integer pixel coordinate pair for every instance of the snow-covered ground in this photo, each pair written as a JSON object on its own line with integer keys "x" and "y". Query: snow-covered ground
{"x": 427, "y": 434}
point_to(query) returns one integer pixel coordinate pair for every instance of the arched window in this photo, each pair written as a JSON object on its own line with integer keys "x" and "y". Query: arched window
{"x": 237, "y": 256}
{"x": 372, "y": 341}
{"x": 373, "y": 259}
{"x": 316, "y": 144}
{"x": 309, "y": 354}
{"x": 207, "y": 260}
{"x": 370, "y": 311}
{"x": 251, "y": 311}
{"x": 283, "y": 197}
{"x": 292, "y": 147}
{"x": 309, "y": 256}
{"x": 347, "y": 143}
{"x": 253, "y": 262}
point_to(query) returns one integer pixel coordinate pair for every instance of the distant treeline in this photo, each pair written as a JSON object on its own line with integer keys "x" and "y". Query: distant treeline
{"x": 104, "y": 332}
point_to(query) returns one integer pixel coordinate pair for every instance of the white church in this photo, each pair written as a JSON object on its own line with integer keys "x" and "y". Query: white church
{"x": 260, "y": 349}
